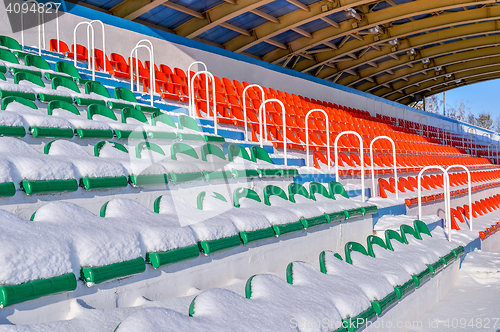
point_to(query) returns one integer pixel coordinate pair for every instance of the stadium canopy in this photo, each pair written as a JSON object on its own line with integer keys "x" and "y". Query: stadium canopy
{"x": 401, "y": 50}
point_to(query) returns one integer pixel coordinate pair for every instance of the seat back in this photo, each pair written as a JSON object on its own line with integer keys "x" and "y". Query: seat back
{"x": 353, "y": 246}
{"x": 392, "y": 235}
{"x": 125, "y": 94}
{"x": 100, "y": 110}
{"x": 421, "y": 227}
{"x": 25, "y": 76}
{"x": 372, "y": 240}
{"x": 55, "y": 104}
{"x": 67, "y": 68}
{"x": 97, "y": 88}
{"x": 98, "y": 147}
{"x": 65, "y": 82}
{"x": 208, "y": 148}
{"x": 147, "y": 146}
{"x": 63, "y": 47}
{"x": 244, "y": 193}
{"x": 7, "y": 100}
{"x": 10, "y": 42}
{"x": 182, "y": 148}
{"x": 405, "y": 230}
{"x": 201, "y": 197}
{"x": 7, "y": 55}
{"x": 185, "y": 121}
{"x": 318, "y": 188}
{"x": 271, "y": 190}
{"x": 297, "y": 189}
{"x": 129, "y": 112}
{"x": 36, "y": 61}
{"x": 163, "y": 118}
{"x": 336, "y": 188}
{"x": 260, "y": 153}
{"x": 235, "y": 150}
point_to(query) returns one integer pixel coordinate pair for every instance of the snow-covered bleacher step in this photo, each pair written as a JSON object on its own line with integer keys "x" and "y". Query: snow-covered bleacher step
{"x": 115, "y": 244}
{"x": 344, "y": 297}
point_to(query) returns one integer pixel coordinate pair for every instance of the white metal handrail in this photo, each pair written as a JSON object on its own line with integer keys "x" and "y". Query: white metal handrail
{"x": 207, "y": 74}
{"x": 361, "y": 155}
{"x": 472, "y": 137}
{"x": 245, "y": 106}
{"x": 496, "y": 146}
{"x": 444, "y": 132}
{"x": 39, "y": 27}
{"x": 192, "y": 110}
{"x": 469, "y": 187}
{"x": 91, "y": 55}
{"x": 151, "y": 59}
{"x": 446, "y": 194}
{"x": 327, "y": 135}
{"x": 262, "y": 106}
{"x": 394, "y": 164}
{"x": 103, "y": 40}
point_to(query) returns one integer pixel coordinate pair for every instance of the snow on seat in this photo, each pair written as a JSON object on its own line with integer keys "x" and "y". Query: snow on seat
{"x": 142, "y": 172}
{"x": 421, "y": 228}
{"x": 308, "y": 214}
{"x": 105, "y": 249}
{"x": 185, "y": 167}
{"x": 312, "y": 215}
{"x": 162, "y": 237}
{"x": 35, "y": 261}
{"x": 192, "y": 132}
{"x": 38, "y": 123}
{"x": 10, "y": 61}
{"x": 215, "y": 159}
{"x": 35, "y": 172}
{"x": 93, "y": 172}
{"x": 11, "y": 124}
{"x": 241, "y": 164}
{"x": 8, "y": 89}
{"x": 213, "y": 231}
{"x": 378, "y": 249}
{"x": 122, "y": 130}
{"x": 336, "y": 188}
{"x": 440, "y": 247}
{"x": 277, "y": 216}
{"x": 347, "y": 297}
{"x": 43, "y": 93}
{"x": 396, "y": 275}
{"x": 82, "y": 127}
{"x": 252, "y": 226}
{"x": 266, "y": 166}
{"x": 325, "y": 202}
{"x": 163, "y": 127}
{"x": 395, "y": 243}
{"x": 374, "y": 285}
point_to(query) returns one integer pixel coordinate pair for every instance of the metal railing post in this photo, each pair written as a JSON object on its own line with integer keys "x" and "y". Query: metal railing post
{"x": 207, "y": 73}
{"x": 262, "y": 106}
{"x": 361, "y": 155}
{"x": 394, "y": 164}
{"x": 327, "y": 135}
{"x": 245, "y": 106}
{"x": 469, "y": 187}
{"x": 192, "y": 110}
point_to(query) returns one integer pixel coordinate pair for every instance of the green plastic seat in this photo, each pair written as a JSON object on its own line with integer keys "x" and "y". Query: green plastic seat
{"x": 98, "y": 147}
{"x": 97, "y": 88}
{"x": 147, "y": 146}
{"x": 421, "y": 228}
{"x": 380, "y": 305}
{"x": 7, "y": 189}
{"x": 350, "y": 324}
{"x": 44, "y": 97}
{"x": 209, "y": 247}
{"x": 201, "y": 197}
{"x": 97, "y": 275}
{"x": 12, "y": 294}
{"x": 13, "y": 93}
{"x": 58, "y": 104}
{"x": 14, "y": 131}
{"x": 208, "y": 149}
{"x": 405, "y": 230}
{"x": 318, "y": 188}
{"x": 8, "y": 56}
{"x": 65, "y": 82}
{"x": 49, "y": 186}
{"x": 3, "y": 70}
{"x": 69, "y": 68}
{"x": 259, "y": 234}
{"x": 10, "y": 42}
{"x": 185, "y": 121}
{"x": 94, "y": 109}
{"x": 257, "y": 152}
{"x": 271, "y": 190}
{"x": 127, "y": 95}
{"x": 40, "y": 63}
{"x": 297, "y": 189}
{"x": 182, "y": 148}
{"x": 336, "y": 188}
{"x": 134, "y": 114}
{"x": 6, "y": 101}
{"x": 235, "y": 150}
{"x": 158, "y": 117}
{"x": 159, "y": 259}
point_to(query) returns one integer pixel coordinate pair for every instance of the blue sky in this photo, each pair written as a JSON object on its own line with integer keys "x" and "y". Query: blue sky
{"x": 481, "y": 96}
